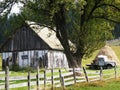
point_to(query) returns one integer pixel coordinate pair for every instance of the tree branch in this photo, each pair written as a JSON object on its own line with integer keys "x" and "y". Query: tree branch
{"x": 105, "y": 18}
{"x": 6, "y": 6}
{"x": 94, "y": 8}
{"x": 111, "y": 5}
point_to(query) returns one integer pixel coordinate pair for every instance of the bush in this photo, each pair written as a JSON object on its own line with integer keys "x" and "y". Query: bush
{"x": 23, "y": 69}
{"x": 27, "y": 68}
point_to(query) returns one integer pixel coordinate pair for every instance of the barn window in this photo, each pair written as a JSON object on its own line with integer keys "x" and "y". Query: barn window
{"x": 24, "y": 56}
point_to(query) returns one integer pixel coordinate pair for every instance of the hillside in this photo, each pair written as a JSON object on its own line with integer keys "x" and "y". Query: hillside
{"x": 117, "y": 50}
{"x": 115, "y": 42}
{"x": 89, "y": 60}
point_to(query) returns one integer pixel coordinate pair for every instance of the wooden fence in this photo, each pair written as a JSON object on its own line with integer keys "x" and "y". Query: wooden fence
{"x": 57, "y": 78}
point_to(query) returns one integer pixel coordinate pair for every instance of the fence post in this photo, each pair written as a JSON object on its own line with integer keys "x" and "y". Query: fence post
{"x": 74, "y": 75}
{"x": 52, "y": 79}
{"x": 63, "y": 82}
{"x": 7, "y": 78}
{"x": 101, "y": 74}
{"x": 115, "y": 71}
{"x": 37, "y": 77}
{"x": 29, "y": 80}
{"x": 86, "y": 76}
{"x": 45, "y": 79}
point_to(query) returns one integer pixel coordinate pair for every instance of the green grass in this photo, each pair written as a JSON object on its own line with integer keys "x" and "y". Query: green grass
{"x": 108, "y": 85}
{"x": 99, "y": 85}
{"x": 89, "y": 60}
{"x": 117, "y": 51}
{"x": 22, "y": 88}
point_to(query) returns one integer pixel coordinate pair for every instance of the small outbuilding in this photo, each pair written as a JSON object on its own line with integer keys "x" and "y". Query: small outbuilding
{"x": 33, "y": 45}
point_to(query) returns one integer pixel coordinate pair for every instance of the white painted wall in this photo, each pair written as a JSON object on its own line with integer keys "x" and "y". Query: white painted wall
{"x": 6, "y": 55}
{"x": 56, "y": 59}
{"x": 24, "y": 62}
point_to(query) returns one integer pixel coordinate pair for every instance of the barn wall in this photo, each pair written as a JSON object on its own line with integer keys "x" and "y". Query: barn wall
{"x": 24, "y": 39}
{"x": 32, "y": 58}
{"x": 43, "y": 58}
{"x": 57, "y": 59}
{"x": 24, "y": 58}
{"x": 6, "y": 59}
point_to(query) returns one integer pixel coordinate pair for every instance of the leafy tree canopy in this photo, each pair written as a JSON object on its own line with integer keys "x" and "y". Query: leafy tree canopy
{"x": 87, "y": 23}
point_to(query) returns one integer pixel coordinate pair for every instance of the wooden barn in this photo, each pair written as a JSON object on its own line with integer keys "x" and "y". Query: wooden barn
{"x": 33, "y": 45}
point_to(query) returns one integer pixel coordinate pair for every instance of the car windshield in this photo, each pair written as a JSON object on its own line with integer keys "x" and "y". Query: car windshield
{"x": 103, "y": 59}
{"x": 100, "y": 59}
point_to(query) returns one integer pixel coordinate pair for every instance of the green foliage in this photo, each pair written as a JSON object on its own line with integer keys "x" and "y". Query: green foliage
{"x": 87, "y": 23}
{"x": 116, "y": 32}
{"x": 94, "y": 25}
{"x": 23, "y": 69}
{"x": 9, "y": 25}
{"x": 27, "y": 68}
{"x": 44, "y": 11}
{"x": 95, "y": 28}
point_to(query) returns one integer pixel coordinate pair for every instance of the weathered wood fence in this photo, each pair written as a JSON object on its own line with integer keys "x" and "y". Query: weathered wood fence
{"x": 57, "y": 78}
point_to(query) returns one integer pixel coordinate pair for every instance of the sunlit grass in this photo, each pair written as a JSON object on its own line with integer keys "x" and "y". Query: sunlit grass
{"x": 117, "y": 51}
{"x": 89, "y": 60}
{"x": 98, "y": 85}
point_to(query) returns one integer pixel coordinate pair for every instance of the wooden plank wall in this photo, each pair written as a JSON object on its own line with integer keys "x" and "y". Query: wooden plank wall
{"x": 24, "y": 39}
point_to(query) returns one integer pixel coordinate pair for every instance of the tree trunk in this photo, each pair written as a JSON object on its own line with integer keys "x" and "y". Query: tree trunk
{"x": 72, "y": 62}
{"x": 61, "y": 34}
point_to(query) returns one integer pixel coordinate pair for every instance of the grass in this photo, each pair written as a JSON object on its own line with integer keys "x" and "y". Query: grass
{"x": 98, "y": 85}
{"x": 117, "y": 51}
{"x": 22, "y": 88}
{"x": 104, "y": 85}
{"x": 89, "y": 60}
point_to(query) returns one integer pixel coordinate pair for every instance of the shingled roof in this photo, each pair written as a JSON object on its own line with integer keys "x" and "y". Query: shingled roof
{"x": 47, "y": 35}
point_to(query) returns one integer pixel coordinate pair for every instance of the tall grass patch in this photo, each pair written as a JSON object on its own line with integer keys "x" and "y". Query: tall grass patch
{"x": 98, "y": 85}
{"x": 88, "y": 60}
{"x": 117, "y": 51}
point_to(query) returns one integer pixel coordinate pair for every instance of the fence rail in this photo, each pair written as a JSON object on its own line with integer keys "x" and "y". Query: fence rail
{"x": 64, "y": 77}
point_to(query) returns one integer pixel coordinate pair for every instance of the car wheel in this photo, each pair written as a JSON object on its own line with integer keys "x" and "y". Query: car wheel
{"x": 109, "y": 66}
